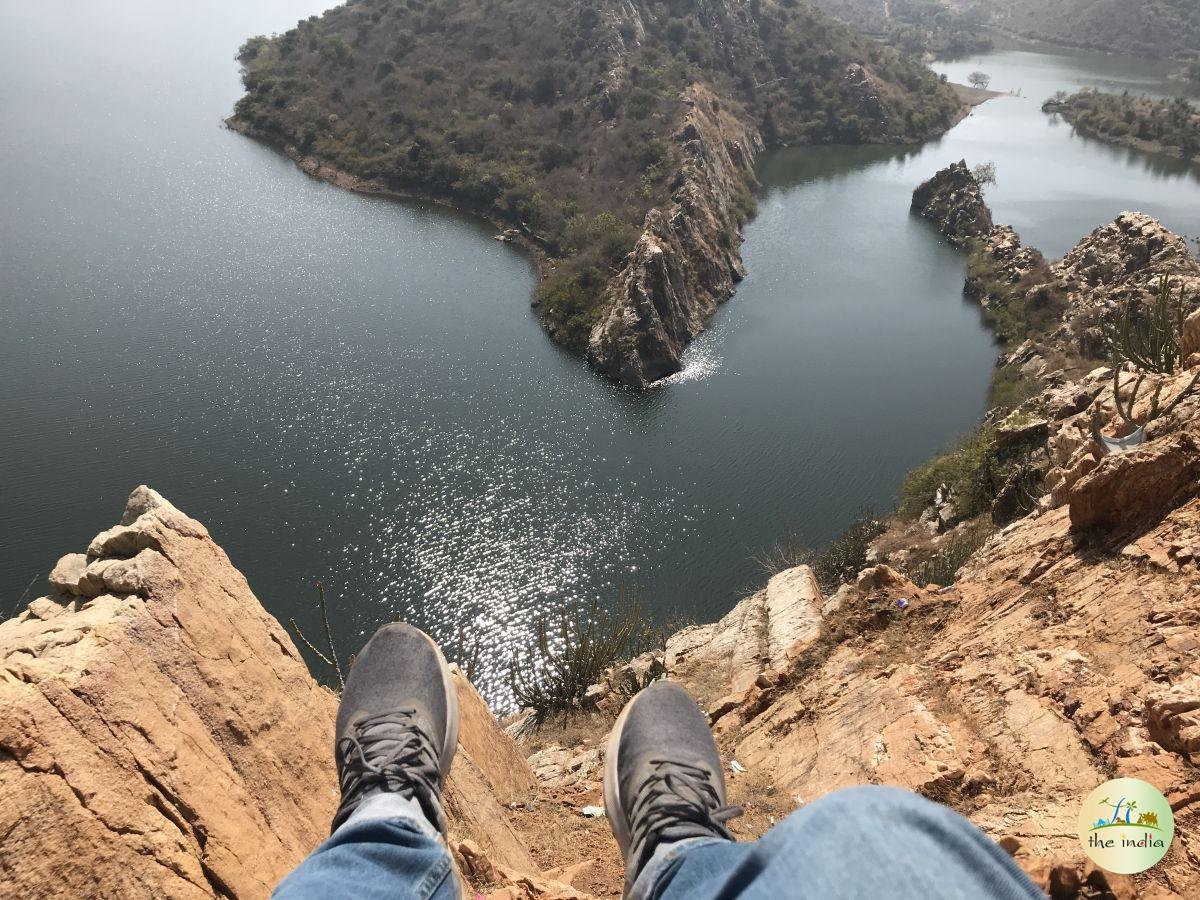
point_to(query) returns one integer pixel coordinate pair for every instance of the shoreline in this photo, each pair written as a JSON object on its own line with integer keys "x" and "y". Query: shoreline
{"x": 1156, "y": 148}
{"x": 972, "y": 97}
{"x": 539, "y": 251}
{"x": 536, "y": 248}
{"x": 1062, "y": 44}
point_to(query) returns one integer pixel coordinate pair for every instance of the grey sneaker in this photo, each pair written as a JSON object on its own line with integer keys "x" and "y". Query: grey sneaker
{"x": 663, "y": 779}
{"x": 397, "y": 725}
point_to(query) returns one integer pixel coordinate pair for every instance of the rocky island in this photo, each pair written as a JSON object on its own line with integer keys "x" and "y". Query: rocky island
{"x": 621, "y": 158}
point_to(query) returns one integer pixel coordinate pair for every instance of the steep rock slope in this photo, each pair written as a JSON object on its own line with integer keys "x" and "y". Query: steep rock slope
{"x": 589, "y": 154}
{"x": 686, "y": 261}
{"x": 160, "y": 735}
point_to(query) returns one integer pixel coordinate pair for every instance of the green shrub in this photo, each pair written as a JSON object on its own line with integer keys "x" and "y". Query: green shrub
{"x": 968, "y": 470}
{"x": 959, "y": 546}
{"x": 571, "y": 653}
{"x": 839, "y": 561}
{"x": 1014, "y": 311}
{"x": 1010, "y": 388}
{"x": 846, "y": 555}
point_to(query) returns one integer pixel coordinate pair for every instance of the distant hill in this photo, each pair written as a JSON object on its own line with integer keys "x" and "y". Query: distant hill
{"x": 563, "y": 119}
{"x": 1159, "y": 28}
{"x": 914, "y": 26}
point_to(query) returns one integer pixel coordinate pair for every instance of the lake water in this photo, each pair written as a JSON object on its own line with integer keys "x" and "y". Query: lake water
{"x": 354, "y": 390}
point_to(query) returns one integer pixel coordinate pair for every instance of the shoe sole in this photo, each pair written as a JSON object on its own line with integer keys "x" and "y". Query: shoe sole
{"x": 450, "y": 739}
{"x": 612, "y": 786}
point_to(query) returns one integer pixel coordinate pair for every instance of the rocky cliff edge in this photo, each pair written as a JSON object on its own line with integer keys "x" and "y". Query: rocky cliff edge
{"x": 161, "y": 737}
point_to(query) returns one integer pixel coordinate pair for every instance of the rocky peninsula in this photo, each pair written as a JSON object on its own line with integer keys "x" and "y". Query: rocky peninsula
{"x": 622, "y": 160}
{"x": 1155, "y": 126}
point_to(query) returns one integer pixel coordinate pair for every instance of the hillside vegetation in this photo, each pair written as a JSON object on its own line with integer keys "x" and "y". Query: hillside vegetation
{"x": 557, "y": 117}
{"x": 1155, "y": 125}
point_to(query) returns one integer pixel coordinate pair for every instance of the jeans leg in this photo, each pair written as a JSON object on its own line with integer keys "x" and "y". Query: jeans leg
{"x": 866, "y": 842}
{"x": 386, "y": 850}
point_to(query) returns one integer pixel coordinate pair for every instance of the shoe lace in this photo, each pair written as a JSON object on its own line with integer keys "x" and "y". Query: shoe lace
{"x": 390, "y": 752}
{"x": 676, "y": 801}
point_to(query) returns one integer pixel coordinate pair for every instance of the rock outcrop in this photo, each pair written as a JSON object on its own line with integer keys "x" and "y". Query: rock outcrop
{"x": 687, "y": 260}
{"x": 1009, "y": 264}
{"x": 1118, "y": 262}
{"x": 160, "y": 736}
{"x": 1127, "y": 488}
{"x": 953, "y": 201}
{"x": 721, "y": 661}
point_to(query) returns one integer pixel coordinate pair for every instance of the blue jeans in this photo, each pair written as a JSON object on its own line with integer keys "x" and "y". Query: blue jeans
{"x": 866, "y": 842}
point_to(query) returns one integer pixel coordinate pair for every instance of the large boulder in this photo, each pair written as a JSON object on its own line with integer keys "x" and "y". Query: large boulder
{"x": 1141, "y": 485}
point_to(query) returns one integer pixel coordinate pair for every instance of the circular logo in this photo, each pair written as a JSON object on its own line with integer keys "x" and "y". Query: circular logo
{"x": 1126, "y": 826}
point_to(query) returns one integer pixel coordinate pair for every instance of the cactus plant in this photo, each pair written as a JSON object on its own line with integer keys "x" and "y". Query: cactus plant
{"x": 1149, "y": 340}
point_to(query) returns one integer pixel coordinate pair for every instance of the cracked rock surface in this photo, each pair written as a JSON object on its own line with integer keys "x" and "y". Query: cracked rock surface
{"x": 159, "y": 734}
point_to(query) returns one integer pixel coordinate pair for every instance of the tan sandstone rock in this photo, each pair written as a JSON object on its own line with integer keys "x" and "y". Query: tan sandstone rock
{"x": 1126, "y": 488}
{"x": 161, "y": 737}
{"x": 1189, "y": 345}
{"x": 762, "y": 632}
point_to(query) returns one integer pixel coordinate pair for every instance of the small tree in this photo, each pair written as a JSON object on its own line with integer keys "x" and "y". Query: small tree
{"x": 985, "y": 173}
{"x": 979, "y": 80}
